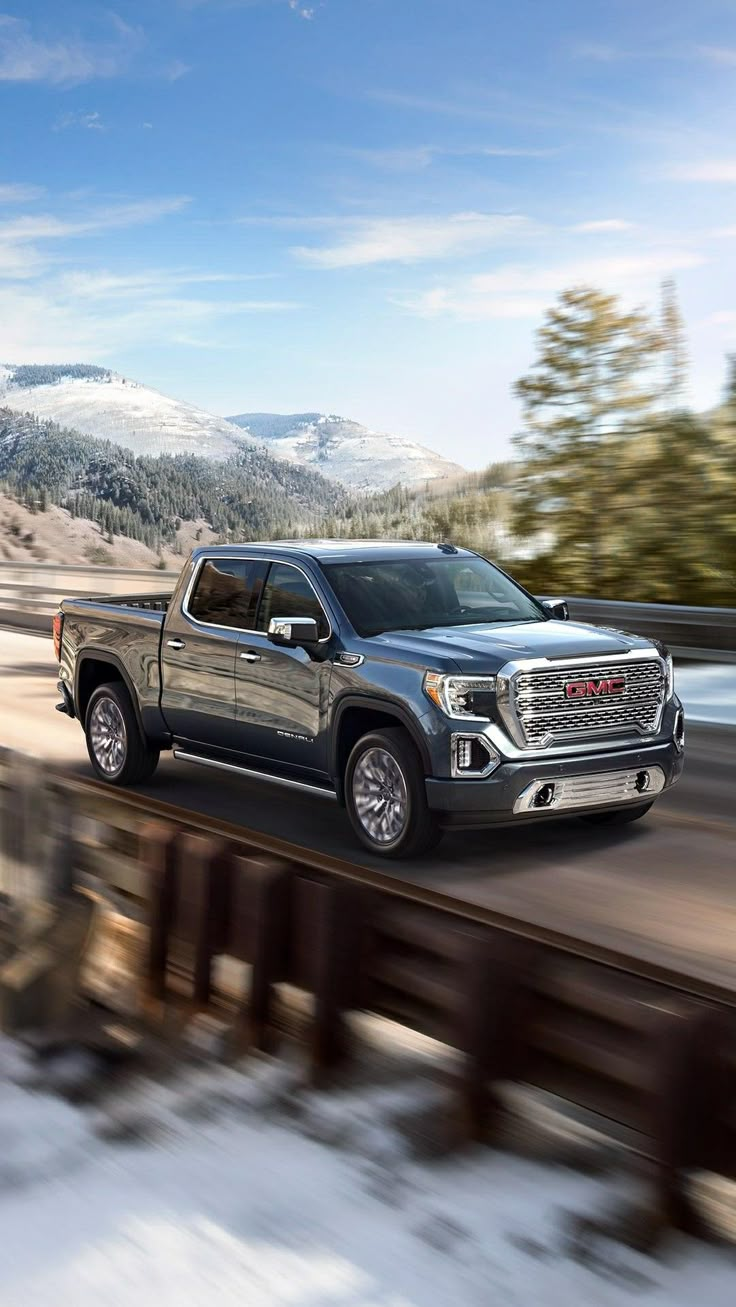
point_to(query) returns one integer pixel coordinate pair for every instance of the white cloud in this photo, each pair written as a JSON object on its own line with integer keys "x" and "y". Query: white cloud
{"x": 719, "y": 54}
{"x": 104, "y": 285}
{"x": 48, "y": 309}
{"x": 451, "y": 106}
{"x": 47, "y": 226}
{"x": 703, "y": 170}
{"x": 91, "y": 122}
{"x": 176, "y": 69}
{"x": 304, "y": 11}
{"x": 25, "y": 57}
{"x": 602, "y": 52}
{"x": 603, "y": 225}
{"x": 412, "y": 240}
{"x": 52, "y": 319}
{"x": 19, "y": 193}
{"x": 22, "y": 237}
{"x": 724, "y": 231}
{"x": 416, "y": 157}
{"x": 525, "y": 291}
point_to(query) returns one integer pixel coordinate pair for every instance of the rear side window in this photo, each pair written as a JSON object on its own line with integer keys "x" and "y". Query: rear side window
{"x": 288, "y": 593}
{"x": 223, "y": 593}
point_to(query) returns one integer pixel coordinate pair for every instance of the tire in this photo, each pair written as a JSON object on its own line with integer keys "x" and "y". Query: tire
{"x": 117, "y": 748}
{"x": 617, "y": 816}
{"x": 381, "y": 763}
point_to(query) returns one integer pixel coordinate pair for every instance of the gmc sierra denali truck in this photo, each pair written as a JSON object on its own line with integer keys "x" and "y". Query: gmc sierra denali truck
{"x": 416, "y": 684}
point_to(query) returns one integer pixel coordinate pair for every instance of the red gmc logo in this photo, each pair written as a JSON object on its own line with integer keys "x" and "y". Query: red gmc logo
{"x": 594, "y": 689}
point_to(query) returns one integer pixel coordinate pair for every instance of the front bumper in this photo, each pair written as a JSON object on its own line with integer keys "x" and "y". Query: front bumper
{"x": 499, "y": 797}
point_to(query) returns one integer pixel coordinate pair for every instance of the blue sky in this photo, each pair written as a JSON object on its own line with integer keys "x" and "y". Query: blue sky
{"x": 360, "y": 206}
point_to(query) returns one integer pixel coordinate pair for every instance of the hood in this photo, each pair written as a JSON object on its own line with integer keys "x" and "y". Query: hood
{"x": 485, "y": 648}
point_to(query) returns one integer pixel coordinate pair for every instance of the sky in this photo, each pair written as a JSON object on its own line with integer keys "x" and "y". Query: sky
{"x": 360, "y": 207}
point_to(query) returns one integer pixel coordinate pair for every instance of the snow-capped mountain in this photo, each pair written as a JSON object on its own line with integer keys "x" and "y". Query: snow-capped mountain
{"x": 111, "y": 407}
{"x": 362, "y": 459}
{"x": 104, "y": 404}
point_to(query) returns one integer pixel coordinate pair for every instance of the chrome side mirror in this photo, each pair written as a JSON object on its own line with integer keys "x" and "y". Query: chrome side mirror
{"x": 557, "y": 608}
{"x": 293, "y": 630}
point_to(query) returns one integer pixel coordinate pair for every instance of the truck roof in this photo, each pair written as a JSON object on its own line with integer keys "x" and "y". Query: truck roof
{"x": 340, "y": 551}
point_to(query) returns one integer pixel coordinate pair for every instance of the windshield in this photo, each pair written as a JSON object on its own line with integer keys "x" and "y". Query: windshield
{"x": 416, "y": 594}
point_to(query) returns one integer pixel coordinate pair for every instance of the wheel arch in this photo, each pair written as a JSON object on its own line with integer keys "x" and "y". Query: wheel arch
{"x": 354, "y": 716}
{"x": 95, "y": 668}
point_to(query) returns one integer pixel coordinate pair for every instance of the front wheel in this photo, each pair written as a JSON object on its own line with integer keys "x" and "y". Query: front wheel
{"x": 117, "y": 748}
{"x": 385, "y": 795}
{"x": 617, "y": 816}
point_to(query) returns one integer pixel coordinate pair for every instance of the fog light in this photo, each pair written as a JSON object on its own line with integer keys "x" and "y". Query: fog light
{"x": 680, "y": 731}
{"x": 544, "y": 796}
{"x": 473, "y": 755}
{"x": 642, "y": 782}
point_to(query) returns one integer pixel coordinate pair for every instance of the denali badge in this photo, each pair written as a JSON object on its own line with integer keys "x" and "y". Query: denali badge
{"x": 594, "y": 689}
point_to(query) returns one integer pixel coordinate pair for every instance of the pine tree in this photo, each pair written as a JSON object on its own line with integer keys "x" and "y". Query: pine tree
{"x": 674, "y": 349}
{"x": 589, "y": 393}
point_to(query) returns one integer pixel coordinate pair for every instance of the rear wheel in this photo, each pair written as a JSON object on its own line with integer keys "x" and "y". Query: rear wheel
{"x": 117, "y": 748}
{"x": 617, "y": 816}
{"x": 385, "y": 795}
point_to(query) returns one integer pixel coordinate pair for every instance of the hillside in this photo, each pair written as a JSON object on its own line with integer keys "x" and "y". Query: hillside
{"x": 104, "y": 404}
{"x": 473, "y": 511}
{"x": 359, "y": 458}
{"x": 29, "y": 535}
{"x": 248, "y": 496}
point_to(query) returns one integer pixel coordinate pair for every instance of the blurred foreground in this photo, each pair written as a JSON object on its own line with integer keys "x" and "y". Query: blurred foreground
{"x": 241, "y": 1186}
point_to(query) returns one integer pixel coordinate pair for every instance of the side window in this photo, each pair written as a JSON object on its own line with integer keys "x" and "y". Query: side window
{"x": 288, "y": 593}
{"x": 223, "y": 593}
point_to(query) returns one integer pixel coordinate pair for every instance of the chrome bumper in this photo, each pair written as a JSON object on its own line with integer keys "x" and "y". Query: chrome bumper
{"x": 596, "y": 790}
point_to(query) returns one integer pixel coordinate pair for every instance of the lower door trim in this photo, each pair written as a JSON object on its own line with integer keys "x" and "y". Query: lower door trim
{"x": 310, "y": 787}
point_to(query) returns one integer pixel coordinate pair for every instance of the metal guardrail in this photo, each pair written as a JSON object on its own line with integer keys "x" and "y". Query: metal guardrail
{"x": 30, "y": 594}
{"x": 515, "y": 1001}
{"x": 700, "y": 633}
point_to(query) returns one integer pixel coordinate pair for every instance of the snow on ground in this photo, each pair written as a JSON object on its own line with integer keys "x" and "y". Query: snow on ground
{"x": 130, "y": 414}
{"x": 348, "y": 452}
{"x": 247, "y": 1189}
{"x": 708, "y": 691}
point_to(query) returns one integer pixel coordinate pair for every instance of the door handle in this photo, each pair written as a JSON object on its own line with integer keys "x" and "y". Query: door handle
{"x": 176, "y": 644}
{"x": 251, "y": 657}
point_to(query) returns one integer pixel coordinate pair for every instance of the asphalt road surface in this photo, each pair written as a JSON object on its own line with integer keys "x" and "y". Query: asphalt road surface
{"x": 664, "y": 885}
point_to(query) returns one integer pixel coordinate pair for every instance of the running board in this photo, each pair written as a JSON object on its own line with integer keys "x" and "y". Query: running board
{"x": 252, "y": 772}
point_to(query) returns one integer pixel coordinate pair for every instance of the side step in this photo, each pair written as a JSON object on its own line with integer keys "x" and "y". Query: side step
{"x": 254, "y": 774}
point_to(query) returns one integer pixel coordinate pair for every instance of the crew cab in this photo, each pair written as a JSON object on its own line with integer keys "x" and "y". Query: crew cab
{"x": 417, "y": 685}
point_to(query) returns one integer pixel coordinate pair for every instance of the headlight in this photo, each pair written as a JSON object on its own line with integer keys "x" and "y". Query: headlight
{"x": 462, "y": 696}
{"x": 669, "y": 677}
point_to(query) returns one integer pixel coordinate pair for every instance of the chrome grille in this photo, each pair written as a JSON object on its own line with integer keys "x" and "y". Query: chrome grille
{"x": 545, "y": 714}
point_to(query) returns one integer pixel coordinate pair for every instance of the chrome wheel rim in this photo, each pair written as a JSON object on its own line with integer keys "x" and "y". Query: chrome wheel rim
{"x": 108, "y": 736}
{"x": 380, "y": 796}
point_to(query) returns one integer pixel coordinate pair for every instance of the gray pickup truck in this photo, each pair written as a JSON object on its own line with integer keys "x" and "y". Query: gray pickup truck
{"x": 416, "y": 684}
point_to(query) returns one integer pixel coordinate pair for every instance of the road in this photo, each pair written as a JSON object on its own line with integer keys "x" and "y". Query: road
{"x": 664, "y": 885}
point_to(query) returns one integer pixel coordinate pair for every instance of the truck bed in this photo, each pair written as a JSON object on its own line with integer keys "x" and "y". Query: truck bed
{"x": 154, "y": 603}
{"x": 125, "y": 630}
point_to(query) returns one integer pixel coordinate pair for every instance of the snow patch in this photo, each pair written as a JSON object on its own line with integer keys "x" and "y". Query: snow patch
{"x": 251, "y": 1204}
{"x": 129, "y": 414}
{"x": 362, "y": 459}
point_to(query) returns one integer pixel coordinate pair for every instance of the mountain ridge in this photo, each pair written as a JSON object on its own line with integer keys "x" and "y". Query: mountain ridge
{"x": 346, "y": 451}
{"x": 104, "y": 404}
